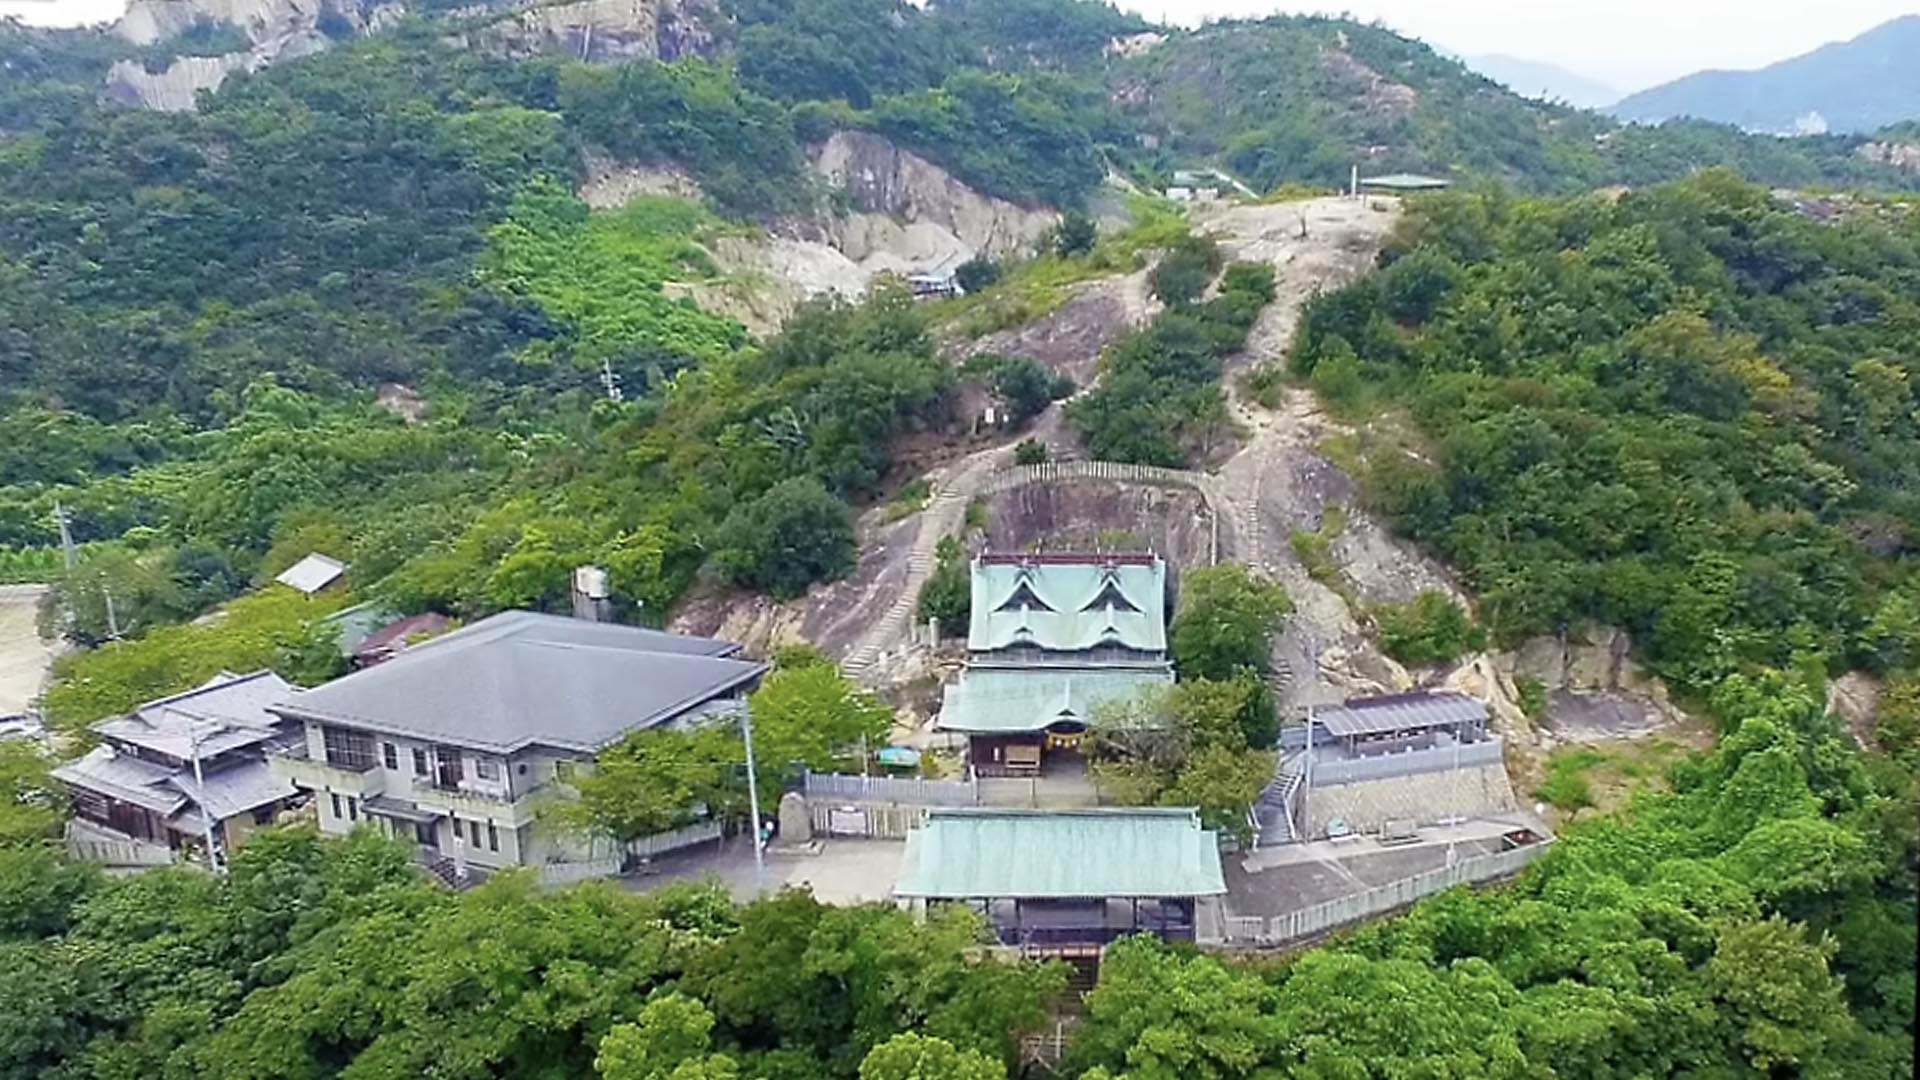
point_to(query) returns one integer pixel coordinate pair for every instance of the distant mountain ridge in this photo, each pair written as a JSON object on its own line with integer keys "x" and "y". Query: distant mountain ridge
{"x": 1860, "y": 85}
{"x": 1548, "y": 82}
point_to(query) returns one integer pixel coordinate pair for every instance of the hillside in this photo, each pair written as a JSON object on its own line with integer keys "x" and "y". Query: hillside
{"x": 1852, "y": 86}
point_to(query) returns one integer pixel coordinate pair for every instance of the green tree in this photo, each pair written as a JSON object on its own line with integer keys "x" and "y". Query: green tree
{"x": 815, "y": 717}
{"x": 908, "y": 1056}
{"x": 1431, "y": 630}
{"x": 1225, "y": 622}
{"x": 1787, "y": 1009}
{"x": 652, "y": 782}
{"x": 794, "y": 535}
{"x": 947, "y": 595}
{"x": 670, "y": 1041}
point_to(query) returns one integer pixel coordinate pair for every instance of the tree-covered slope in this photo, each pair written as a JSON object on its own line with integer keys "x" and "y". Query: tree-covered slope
{"x": 1688, "y": 411}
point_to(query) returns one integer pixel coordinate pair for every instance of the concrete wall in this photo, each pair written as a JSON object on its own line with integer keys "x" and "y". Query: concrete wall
{"x": 1423, "y": 798}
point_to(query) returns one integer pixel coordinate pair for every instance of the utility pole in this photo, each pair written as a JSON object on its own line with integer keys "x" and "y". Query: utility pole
{"x": 66, "y": 534}
{"x": 753, "y": 803}
{"x": 199, "y": 784}
{"x": 1306, "y": 787}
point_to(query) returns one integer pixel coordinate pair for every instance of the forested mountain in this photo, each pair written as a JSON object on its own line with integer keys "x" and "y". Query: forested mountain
{"x": 1860, "y": 86}
{"x": 200, "y": 307}
{"x": 355, "y": 302}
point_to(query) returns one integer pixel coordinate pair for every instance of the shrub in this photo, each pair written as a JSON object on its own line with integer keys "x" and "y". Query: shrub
{"x": 1076, "y": 236}
{"x": 1030, "y": 452}
{"x": 1431, "y": 630}
{"x": 787, "y": 539}
{"x": 977, "y": 273}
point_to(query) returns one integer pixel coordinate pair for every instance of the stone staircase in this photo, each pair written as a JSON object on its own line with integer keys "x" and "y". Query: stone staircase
{"x": 943, "y": 512}
{"x": 1279, "y": 802}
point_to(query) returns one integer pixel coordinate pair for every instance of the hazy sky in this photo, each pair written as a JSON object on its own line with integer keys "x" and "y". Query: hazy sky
{"x": 1627, "y": 43}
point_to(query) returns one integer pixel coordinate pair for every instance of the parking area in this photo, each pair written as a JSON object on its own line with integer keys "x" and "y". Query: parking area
{"x": 839, "y": 872}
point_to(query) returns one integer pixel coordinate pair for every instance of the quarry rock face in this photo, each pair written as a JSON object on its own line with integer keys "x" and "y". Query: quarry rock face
{"x": 901, "y": 186}
{"x": 175, "y": 89}
{"x": 275, "y": 29}
{"x": 597, "y": 31}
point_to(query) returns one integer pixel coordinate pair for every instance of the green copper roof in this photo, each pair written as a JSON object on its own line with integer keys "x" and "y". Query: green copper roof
{"x": 1068, "y": 606}
{"x": 1009, "y": 701}
{"x": 972, "y": 852}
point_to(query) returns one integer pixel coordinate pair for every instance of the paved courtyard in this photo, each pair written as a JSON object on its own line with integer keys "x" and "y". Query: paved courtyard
{"x": 842, "y": 872}
{"x": 1282, "y": 880}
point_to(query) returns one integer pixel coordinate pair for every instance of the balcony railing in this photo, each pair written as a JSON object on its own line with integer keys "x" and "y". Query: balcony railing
{"x": 303, "y": 771}
{"x": 467, "y": 803}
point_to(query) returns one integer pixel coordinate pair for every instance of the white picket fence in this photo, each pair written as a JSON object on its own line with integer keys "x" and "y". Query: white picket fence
{"x": 911, "y": 790}
{"x": 1321, "y": 918}
{"x": 646, "y": 847}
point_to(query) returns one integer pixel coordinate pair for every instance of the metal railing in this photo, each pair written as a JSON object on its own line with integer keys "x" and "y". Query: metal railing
{"x": 1320, "y": 918}
{"x": 1407, "y": 762}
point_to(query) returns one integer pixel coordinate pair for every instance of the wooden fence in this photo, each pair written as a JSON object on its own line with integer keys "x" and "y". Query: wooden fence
{"x": 1321, "y": 918}
{"x": 118, "y": 852}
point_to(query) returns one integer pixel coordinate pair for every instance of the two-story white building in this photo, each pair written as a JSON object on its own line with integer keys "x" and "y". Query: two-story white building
{"x": 456, "y": 742}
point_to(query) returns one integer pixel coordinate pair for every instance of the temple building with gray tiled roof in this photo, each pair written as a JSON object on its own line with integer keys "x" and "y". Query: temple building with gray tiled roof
{"x": 178, "y": 770}
{"x": 1051, "y": 638}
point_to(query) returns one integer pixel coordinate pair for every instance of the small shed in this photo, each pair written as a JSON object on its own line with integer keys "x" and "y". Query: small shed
{"x": 1401, "y": 183}
{"x": 1064, "y": 880}
{"x": 1395, "y": 722}
{"x": 313, "y": 573}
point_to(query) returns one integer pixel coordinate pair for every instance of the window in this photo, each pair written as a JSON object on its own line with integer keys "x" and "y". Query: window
{"x": 348, "y": 749}
{"x": 473, "y": 830}
{"x": 390, "y": 755}
{"x": 486, "y": 768}
{"x": 337, "y": 815}
{"x": 493, "y": 837}
{"x": 263, "y": 815}
{"x": 353, "y": 808}
{"x": 563, "y": 771}
{"x": 420, "y": 761}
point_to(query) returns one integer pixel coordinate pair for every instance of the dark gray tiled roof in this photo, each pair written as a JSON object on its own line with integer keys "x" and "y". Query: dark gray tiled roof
{"x": 520, "y": 679}
{"x": 1399, "y": 712}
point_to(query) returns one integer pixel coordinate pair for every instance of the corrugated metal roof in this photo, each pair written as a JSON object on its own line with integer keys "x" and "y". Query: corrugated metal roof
{"x": 1405, "y": 182}
{"x": 1399, "y": 712}
{"x": 967, "y": 853}
{"x": 1016, "y": 700}
{"x": 521, "y": 678}
{"x": 313, "y": 573}
{"x": 1068, "y": 606}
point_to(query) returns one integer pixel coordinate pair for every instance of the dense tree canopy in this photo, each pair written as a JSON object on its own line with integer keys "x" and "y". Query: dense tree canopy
{"x": 1685, "y": 411}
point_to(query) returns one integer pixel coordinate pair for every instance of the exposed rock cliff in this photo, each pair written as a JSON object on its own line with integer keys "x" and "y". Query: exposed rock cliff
{"x": 1900, "y": 155}
{"x": 275, "y": 29}
{"x": 901, "y": 186}
{"x": 597, "y": 31}
{"x": 175, "y": 89}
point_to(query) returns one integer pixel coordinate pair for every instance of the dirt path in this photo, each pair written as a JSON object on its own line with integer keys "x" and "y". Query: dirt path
{"x": 1279, "y": 483}
{"x": 24, "y": 659}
